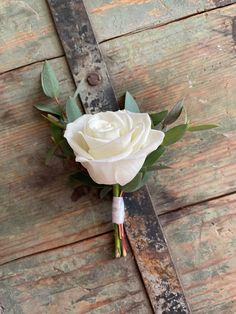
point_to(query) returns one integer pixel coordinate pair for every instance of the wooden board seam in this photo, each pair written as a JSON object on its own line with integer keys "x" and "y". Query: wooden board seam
{"x": 156, "y": 26}
{"x": 30, "y": 64}
{"x": 100, "y": 234}
{"x": 197, "y": 203}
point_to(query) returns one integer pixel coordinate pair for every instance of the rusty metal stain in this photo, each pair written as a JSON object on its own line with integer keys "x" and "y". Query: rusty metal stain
{"x": 151, "y": 252}
{"x": 83, "y": 54}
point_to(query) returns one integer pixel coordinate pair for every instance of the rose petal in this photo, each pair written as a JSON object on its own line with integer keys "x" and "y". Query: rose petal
{"x": 75, "y": 139}
{"x": 154, "y": 141}
{"x": 114, "y": 148}
{"x": 116, "y": 172}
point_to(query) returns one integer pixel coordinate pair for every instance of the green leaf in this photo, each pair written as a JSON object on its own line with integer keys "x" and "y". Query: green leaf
{"x": 65, "y": 147}
{"x": 72, "y": 110}
{"x": 54, "y": 121}
{"x": 50, "y": 153}
{"x": 138, "y": 181}
{"x": 50, "y": 108}
{"x": 56, "y": 133}
{"x": 133, "y": 184}
{"x": 49, "y": 81}
{"x": 175, "y": 134}
{"x": 130, "y": 103}
{"x": 174, "y": 113}
{"x": 203, "y": 127}
{"x": 158, "y": 167}
{"x": 77, "y": 92}
{"x": 158, "y": 117}
{"x": 154, "y": 156}
{"x": 105, "y": 191}
{"x": 84, "y": 178}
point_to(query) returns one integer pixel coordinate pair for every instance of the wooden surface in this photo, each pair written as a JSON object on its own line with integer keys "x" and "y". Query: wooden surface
{"x": 27, "y": 34}
{"x": 202, "y": 239}
{"x": 37, "y": 212}
{"x": 76, "y": 279}
{"x": 127, "y": 16}
{"x": 193, "y": 57}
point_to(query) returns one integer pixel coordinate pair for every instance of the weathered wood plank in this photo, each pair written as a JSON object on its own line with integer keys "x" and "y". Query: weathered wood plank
{"x": 202, "y": 240}
{"x": 37, "y": 212}
{"x": 125, "y": 16}
{"x": 195, "y": 59}
{"x": 80, "y": 278}
{"x": 27, "y": 33}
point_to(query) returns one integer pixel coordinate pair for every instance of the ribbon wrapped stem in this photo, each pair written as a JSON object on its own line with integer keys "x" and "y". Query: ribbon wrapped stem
{"x": 118, "y": 216}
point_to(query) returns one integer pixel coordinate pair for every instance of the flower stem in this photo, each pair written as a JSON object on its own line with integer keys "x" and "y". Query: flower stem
{"x": 117, "y": 242}
{"x": 116, "y": 192}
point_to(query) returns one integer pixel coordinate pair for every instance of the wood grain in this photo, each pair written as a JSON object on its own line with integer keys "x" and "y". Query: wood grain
{"x": 27, "y": 33}
{"x": 195, "y": 59}
{"x": 127, "y": 16}
{"x": 37, "y": 212}
{"x": 202, "y": 240}
{"x": 76, "y": 279}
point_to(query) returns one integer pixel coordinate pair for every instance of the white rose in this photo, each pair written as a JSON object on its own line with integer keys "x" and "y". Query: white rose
{"x": 113, "y": 146}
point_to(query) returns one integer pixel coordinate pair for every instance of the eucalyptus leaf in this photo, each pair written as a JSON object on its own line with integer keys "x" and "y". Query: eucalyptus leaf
{"x": 158, "y": 167}
{"x": 105, "y": 191}
{"x": 50, "y": 108}
{"x": 72, "y": 110}
{"x": 50, "y": 153}
{"x": 77, "y": 92}
{"x": 60, "y": 156}
{"x": 158, "y": 117}
{"x": 65, "y": 147}
{"x": 49, "y": 81}
{"x": 203, "y": 127}
{"x": 133, "y": 184}
{"x": 56, "y": 133}
{"x": 174, "y": 114}
{"x": 54, "y": 121}
{"x": 139, "y": 180}
{"x": 130, "y": 103}
{"x": 175, "y": 134}
{"x": 84, "y": 178}
{"x": 154, "y": 156}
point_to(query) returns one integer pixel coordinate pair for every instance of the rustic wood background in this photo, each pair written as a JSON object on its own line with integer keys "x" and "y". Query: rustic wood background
{"x": 56, "y": 253}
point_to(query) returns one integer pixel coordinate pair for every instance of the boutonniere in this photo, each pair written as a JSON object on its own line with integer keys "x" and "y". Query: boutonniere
{"x": 118, "y": 150}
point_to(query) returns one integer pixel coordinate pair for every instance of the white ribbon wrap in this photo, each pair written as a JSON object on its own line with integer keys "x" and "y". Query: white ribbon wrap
{"x": 118, "y": 210}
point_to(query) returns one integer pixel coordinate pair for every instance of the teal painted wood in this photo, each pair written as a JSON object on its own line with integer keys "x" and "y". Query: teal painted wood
{"x": 77, "y": 279}
{"x": 112, "y": 18}
{"x": 27, "y": 34}
{"x": 202, "y": 240}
